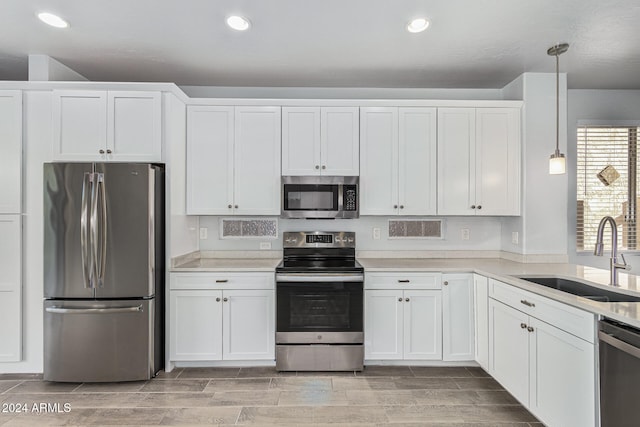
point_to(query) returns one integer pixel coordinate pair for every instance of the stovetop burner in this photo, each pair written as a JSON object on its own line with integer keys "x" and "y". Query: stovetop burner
{"x": 319, "y": 251}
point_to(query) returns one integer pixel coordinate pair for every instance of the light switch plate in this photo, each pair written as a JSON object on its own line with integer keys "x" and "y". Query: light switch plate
{"x": 204, "y": 233}
{"x": 464, "y": 233}
{"x": 514, "y": 237}
{"x": 376, "y": 233}
{"x": 265, "y": 245}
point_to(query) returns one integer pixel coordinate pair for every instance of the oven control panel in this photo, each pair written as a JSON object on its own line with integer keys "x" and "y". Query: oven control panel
{"x": 319, "y": 239}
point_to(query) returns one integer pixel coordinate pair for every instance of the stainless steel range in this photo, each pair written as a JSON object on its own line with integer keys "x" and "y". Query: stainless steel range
{"x": 319, "y": 303}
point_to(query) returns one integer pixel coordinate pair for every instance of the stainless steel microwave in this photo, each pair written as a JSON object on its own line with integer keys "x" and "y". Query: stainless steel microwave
{"x": 320, "y": 197}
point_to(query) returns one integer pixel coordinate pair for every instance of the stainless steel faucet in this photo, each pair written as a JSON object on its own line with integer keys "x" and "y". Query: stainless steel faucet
{"x": 613, "y": 262}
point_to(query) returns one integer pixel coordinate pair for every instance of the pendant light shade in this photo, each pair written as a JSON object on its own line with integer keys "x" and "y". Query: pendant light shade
{"x": 557, "y": 161}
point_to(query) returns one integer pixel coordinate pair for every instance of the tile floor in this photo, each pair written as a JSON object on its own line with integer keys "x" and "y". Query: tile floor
{"x": 380, "y": 395}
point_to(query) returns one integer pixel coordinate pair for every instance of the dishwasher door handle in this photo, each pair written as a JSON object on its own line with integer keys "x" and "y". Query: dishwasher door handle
{"x": 620, "y": 345}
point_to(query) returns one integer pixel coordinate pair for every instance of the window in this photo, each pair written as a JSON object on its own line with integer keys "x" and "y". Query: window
{"x": 607, "y": 183}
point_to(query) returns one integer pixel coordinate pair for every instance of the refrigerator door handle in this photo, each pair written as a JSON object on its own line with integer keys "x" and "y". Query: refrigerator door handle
{"x": 93, "y": 228}
{"x": 82, "y": 310}
{"x": 103, "y": 229}
{"x": 85, "y": 220}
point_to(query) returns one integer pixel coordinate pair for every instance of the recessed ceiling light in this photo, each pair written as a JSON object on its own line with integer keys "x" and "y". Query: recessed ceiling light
{"x": 238, "y": 23}
{"x": 417, "y": 25}
{"x": 53, "y": 20}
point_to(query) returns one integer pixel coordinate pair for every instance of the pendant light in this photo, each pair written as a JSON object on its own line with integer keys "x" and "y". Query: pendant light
{"x": 557, "y": 162}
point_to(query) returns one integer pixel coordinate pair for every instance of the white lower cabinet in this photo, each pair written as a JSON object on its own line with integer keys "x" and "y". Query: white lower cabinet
{"x": 403, "y": 317}
{"x": 10, "y": 288}
{"x": 549, "y": 370}
{"x": 211, "y": 322}
{"x": 481, "y": 303}
{"x": 458, "y": 321}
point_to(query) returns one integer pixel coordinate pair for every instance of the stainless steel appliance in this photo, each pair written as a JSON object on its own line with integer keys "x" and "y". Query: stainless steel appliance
{"x": 319, "y": 303}
{"x": 320, "y": 197}
{"x": 619, "y": 374}
{"x": 103, "y": 271}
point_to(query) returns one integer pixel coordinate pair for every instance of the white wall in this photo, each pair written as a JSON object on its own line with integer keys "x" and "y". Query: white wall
{"x": 585, "y": 105}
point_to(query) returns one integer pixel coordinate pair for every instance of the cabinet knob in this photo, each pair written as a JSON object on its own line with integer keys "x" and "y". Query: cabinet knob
{"x": 218, "y": 299}
{"x": 225, "y": 299}
{"x": 324, "y": 167}
{"x": 395, "y": 206}
{"x": 401, "y": 206}
{"x": 229, "y": 206}
{"x": 101, "y": 151}
{"x": 479, "y": 207}
{"x": 400, "y": 299}
{"x": 473, "y": 206}
{"x": 236, "y": 207}
{"x": 406, "y": 299}
{"x": 530, "y": 329}
{"x": 446, "y": 283}
{"x": 523, "y": 325}
{"x": 317, "y": 167}
{"x": 109, "y": 151}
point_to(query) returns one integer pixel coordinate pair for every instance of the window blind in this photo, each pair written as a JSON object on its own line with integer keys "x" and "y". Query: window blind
{"x": 607, "y": 183}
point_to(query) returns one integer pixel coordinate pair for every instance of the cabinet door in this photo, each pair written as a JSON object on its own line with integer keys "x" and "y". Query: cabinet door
{"x": 79, "y": 125}
{"x": 10, "y": 288}
{"x": 339, "y": 141}
{"x": 209, "y": 160}
{"x": 422, "y": 325}
{"x": 134, "y": 123}
{"x": 458, "y": 317}
{"x": 383, "y": 324}
{"x": 300, "y": 141}
{"x": 497, "y": 161}
{"x": 417, "y": 161}
{"x": 481, "y": 288}
{"x": 10, "y": 151}
{"x": 196, "y": 325}
{"x": 509, "y": 349}
{"x": 563, "y": 370}
{"x": 248, "y": 325}
{"x": 379, "y": 161}
{"x": 257, "y": 161}
{"x": 456, "y": 161}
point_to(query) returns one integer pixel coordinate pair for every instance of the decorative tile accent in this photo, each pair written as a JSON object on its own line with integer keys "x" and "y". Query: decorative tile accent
{"x": 415, "y": 229}
{"x": 238, "y": 228}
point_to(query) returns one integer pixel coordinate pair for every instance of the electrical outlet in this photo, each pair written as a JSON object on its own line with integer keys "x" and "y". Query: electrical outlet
{"x": 464, "y": 233}
{"x": 514, "y": 237}
{"x": 376, "y": 233}
{"x": 203, "y": 233}
{"x": 265, "y": 245}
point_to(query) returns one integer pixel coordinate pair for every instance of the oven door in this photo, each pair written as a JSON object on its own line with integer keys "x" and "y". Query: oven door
{"x": 317, "y": 310}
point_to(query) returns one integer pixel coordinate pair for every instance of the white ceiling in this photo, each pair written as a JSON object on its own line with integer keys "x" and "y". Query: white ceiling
{"x": 329, "y": 43}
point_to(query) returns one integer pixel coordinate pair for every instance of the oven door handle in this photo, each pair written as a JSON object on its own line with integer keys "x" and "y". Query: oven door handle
{"x": 317, "y": 278}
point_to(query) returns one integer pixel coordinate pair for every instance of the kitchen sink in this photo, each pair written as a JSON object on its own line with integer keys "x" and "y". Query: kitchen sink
{"x": 581, "y": 289}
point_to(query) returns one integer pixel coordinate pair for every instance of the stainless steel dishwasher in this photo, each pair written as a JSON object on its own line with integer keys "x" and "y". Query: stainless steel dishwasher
{"x": 619, "y": 374}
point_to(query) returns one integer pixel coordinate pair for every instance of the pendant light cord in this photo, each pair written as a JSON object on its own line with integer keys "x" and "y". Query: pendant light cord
{"x": 557, "y": 103}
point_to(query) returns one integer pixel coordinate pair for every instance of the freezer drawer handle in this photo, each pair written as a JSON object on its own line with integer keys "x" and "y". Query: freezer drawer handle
{"x": 80, "y": 310}
{"x": 620, "y": 345}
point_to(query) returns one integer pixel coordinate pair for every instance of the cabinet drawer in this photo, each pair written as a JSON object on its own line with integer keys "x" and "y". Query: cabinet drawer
{"x": 570, "y": 319}
{"x": 222, "y": 280}
{"x": 399, "y": 280}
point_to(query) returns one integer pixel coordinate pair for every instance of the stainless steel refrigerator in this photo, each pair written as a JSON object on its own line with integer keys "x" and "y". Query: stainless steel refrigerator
{"x": 103, "y": 271}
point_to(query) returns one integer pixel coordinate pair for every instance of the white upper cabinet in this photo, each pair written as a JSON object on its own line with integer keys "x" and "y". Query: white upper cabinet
{"x": 320, "y": 141}
{"x": 478, "y": 161}
{"x": 233, "y": 160}
{"x": 10, "y": 151}
{"x": 107, "y": 126}
{"x": 398, "y": 161}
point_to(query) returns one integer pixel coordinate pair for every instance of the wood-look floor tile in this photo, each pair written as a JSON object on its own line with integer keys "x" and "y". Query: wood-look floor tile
{"x": 78, "y": 400}
{"x": 246, "y": 398}
{"x": 135, "y": 416}
{"x": 463, "y": 397}
{"x": 385, "y": 371}
{"x": 201, "y": 416}
{"x": 209, "y": 373}
{"x": 459, "y": 414}
{"x": 163, "y": 375}
{"x": 477, "y": 371}
{"x": 174, "y": 386}
{"x": 8, "y": 385}
{"x": 313, "y": 398}
{"x": 364, "y": 383}
{"x": 326, "y": 374}
{"x": 436, "y": 383}
{"x": 277, "y": 415}
{"x": 263, "y": 372}
{"x": 440, "y": 371}
{"x": 380, "y": 397}
{"x": 79, "y": 417}
{"x": 238, "y": 384}
{"x": 32, "y": 386}
{"x": 478, "y": 384}
{"x": 301, "y": 383}
{"x": 176, "y": 400}
{"x": 349, "y": 414}
{"x": 121, "y": 387}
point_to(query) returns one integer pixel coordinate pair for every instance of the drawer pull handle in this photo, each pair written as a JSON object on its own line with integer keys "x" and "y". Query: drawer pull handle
{"x": 527, "y": 303}
{"x": 404, "y": 281}
{"x": 222, "y": 280}
{"x": 530, "y": 329}
{"x": 523, "y": 325}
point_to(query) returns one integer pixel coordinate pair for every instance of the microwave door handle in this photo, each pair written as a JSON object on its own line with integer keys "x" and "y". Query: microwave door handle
{"x": 340, "y": 197}
{"x": 84, "y": 225}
